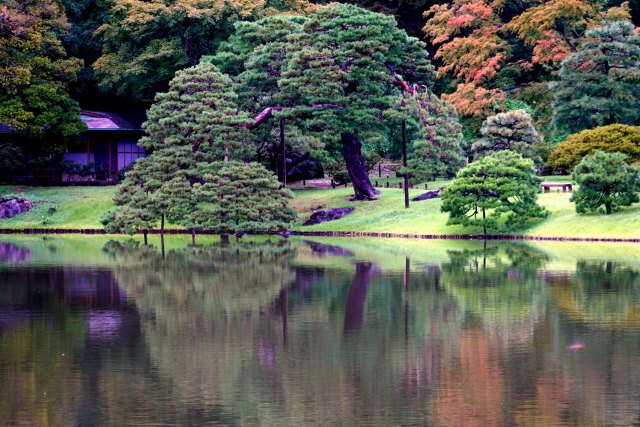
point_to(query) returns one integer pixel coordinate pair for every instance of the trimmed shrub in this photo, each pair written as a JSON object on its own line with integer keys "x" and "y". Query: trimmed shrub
{"x": 621, "y": 138}
{"x": 606, "y": 181}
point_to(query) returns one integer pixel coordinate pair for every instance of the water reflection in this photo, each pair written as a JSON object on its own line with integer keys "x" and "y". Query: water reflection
{"x": 354, "y": 308}
{"x": 264, "y": 334}
{"x": 13, "y": 254}
{"x": 601, "y": 294}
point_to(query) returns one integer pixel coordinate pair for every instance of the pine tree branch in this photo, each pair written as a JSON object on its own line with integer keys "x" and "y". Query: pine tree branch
{"x": 347, "y": 63}
{"x": 267, "y": 113}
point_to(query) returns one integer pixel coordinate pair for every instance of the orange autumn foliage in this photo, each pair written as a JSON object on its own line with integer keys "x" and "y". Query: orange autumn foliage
{"x": 475, "y": 41}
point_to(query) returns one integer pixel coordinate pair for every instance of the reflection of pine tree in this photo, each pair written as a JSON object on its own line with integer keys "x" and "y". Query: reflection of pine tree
{"x": 498, "y": 286}
{"x": 216, "y": 278}
{"x": 495, "y": 265}
{"x": 221, "y": 353}
{"x": 604, "y": 294}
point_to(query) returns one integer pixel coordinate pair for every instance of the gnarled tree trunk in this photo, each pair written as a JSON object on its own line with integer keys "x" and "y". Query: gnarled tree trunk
{"x": 352, "y": 152}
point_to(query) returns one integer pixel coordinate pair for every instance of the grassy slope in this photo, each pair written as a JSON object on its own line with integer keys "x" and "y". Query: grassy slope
{"x": 388, "y": 215}
{"x": 82, "y": 207}
{"x": 76, "y": 207}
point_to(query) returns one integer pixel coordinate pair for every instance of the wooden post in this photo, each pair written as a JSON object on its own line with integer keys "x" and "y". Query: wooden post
{"x": 109, "y": 162}
{"x": 193, "y": 237}
{"x": 283, "y": 153}
{"x": 376, "y": 182}
{"x": 425, "y": 186}
{"x": 333, "y": 183}
{"x": 379, "y": 170}
{"x": 404, "y": 164}
{"x": 387, "y": 184}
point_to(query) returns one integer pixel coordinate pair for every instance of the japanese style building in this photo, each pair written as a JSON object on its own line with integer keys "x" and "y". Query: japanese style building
{"x": 110, "y": 142}
{"x": 107, "y": 146}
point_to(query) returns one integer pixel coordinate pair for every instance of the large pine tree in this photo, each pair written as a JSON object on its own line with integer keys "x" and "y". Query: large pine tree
{"x": 196, "y": 132}
{"x": 333, "y": 74}
{"x": 600, "y": 83}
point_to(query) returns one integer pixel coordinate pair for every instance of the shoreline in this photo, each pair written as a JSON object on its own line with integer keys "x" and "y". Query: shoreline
{"x": 99, "y": 231}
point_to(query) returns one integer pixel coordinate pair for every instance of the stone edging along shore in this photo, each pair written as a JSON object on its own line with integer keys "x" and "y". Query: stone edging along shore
{"x": 347, "y": 234}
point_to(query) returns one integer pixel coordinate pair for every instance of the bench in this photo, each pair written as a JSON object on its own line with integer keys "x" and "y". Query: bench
{"x": 565, "y": 187}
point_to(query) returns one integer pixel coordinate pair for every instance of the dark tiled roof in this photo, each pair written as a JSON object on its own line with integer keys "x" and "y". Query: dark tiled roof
{"x": 102, "y": 120}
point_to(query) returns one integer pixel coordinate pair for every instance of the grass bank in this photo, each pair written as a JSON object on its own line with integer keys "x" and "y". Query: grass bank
{"x": 82, "y": 208}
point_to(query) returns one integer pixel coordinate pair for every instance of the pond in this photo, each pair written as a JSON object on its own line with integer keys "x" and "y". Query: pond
{"x": 318, "y": 332}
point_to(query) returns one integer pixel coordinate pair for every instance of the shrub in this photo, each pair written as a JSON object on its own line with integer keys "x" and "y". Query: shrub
{"x": 497, "y": 190}
{"x": 621, "y": 138}
{"x": 341, "y": 177}
{"x": 607, "y": 180}
{"x": 11, "y": 161}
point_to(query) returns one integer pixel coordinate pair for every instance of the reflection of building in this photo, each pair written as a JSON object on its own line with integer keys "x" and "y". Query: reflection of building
{"x": 13, "y": 254}
{"x": 93, "y": 290}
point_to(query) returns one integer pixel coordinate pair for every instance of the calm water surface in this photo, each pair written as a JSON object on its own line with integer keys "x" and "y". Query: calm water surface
{"x": 323, "y": 332}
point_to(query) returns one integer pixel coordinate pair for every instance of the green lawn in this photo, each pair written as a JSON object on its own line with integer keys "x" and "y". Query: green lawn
{"x": 61, "y": 207}
{"x": 82, "y": 207}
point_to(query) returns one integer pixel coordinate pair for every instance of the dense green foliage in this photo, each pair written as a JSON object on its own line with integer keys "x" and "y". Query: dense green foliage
{"x": 258, "y": 54}
{"x": 600, "y": 83}
{"x": 607, "y": 180}
{"x": 35, "y": 73}
{"x": 495, "y": 51}
{"x": 198, "y": 138}
{"x": 622, "y": 138}
{"x": 438, "y": 147}
{"x": 237, "y": 197}
{"x": 146, "y": 42}
{"x": 337, "y": 76}
{"x": 513, "y": 130}
{"x": 498, "y": 189}
{"x": 12, "y": 160}
{"x": 490, "y": 55}
{"x": 81, "y": 41}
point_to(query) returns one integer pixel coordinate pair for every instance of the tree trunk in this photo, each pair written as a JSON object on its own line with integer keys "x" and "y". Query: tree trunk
{"x": 352, "y": 152}
{"x": 608, "y": 207}
{"x": 484, "y": 224}
{"x": 193, "y": 237}
{"x": 145, "y": 232}
{"x": 283, "y": 156}
{"x": 224, "y": 239}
